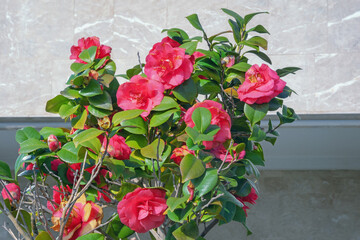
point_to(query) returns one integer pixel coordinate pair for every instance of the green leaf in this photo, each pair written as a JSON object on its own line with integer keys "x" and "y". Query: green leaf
{"x": 174, "y": 202}
{"x": 176, "y": 32}
{"x": 228, "y": 211}
{"x": 67, "y": 109}
{"x": 43, "y": 236}
{"x": 191, "y": 167}
{"x": 166, "y": 104}
{"x": 116, "y": 166}
{"x": 68, "y": 153}
{"x": 259, "y": 29}
{"x": 47, "y": 131}
{"x": 86, "y": 135}
{"x": 285, "y": 71}
{"x": 98, "y": 112}
{"x": 228, "y": 197}
{"x": 133, "y": 71}
{"x": 5, "y": 171}
{"x": 79, "y": 121}
{"x": 136, "y": 141}
{"x": 237, "y": 17}
{"x": 194, "y": 21}
{"x": 241, "y": 66}
{"x": 92, "y": 236}
{"x": 106, "y": 79}
{"x": 248, "y": 17}
{"x": 261, "y": 55}
{"x": 19, "y": 163}
{"x": 99, "y": 63}
{"x": 206, "y": 183}
{"x": 93, "y": 144}
{"x": 31, "y": 145}
{"x": 70, "y": 93}
{"x": 186, "y": 92}
{"x": 179, "y": 215}
{"x": 153, "y": 150}
{"x": 135, "y": 125}
{"x": 126, "y": 115}
{"x": 26, "y": 133}
{"x": 257, "y": 134}
{"x": 92, "y": 89}
{"x": 236, "y": 30}
{"x": 110, "y": 67}
{"x": 53, "y": 105}
{"x": 188, "y": 231}
{"x": 258, "y": 41}
{"x": 88, "y": 55}
{"x": 102, "y": 101}
{"x": 125, "y": 189}
{"x": 117, "y": 230}
{"x": 202, "y": 118}
{"x": 256, "y": 112}
{"x": 79, "y": 67}
{"x": 161, "y": 117}
{"x": 190, "y": 47}
{"x": 208, "y": 87}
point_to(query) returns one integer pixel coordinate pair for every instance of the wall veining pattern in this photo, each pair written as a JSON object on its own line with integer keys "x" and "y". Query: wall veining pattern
{"x": 322, "y": 37}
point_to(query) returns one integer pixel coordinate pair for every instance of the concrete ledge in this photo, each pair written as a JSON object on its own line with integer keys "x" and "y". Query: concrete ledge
{"x": 316, "y": 142}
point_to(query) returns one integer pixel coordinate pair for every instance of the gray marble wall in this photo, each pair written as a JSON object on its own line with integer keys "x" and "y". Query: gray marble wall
{"x": 322, "y": 37}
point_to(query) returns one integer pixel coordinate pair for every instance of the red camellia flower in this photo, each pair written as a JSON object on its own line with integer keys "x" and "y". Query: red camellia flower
{"x": 53, "y": 143}
{"x": 168, "y": 64}
{"x": 14, "y": 191}
{"x": 59, "y": 194}
{"x": 178, "y": 154}
{"x": 140, "y": 93}
{"x": 220, "y": 153}
{"x": 261, "y": 85}
{"x": 251, "y": 198}
{"x": 85, "y": 43}
{"x": 219, "y": 117}
{"x": 117, "y": 148}
{"x": 55, "y": 164}
{"x": 143, "y": 209}
{"x": 84, "y": 217}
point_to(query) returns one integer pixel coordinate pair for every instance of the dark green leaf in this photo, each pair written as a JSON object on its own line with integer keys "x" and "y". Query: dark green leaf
{"x": 186, "y": 92}
{"x": 201, "y": 118}
{"x": 136, "y": 141}
{"x": 5, "y": 170}
{"x": 135, "y": 125}
{"x": 110, "y": 67}
{"x": 70, "y": 93}
{"x": 26, "y": 133}
{"x": 161, "y": 117}
{"x": 257, "y": 134}
{"x": 88, "y": 55}
{"x": 191, "y": 167}
{"x": 241, "y": 66}
{"x": 53, "y": 105}
{"x": 174, "y": 202}
{"x": 206, "y": 183}
{"x": 188, "y": 231}
{"x": 116, "y": 167}
{"x": 258, "y": 41}
{"x": 92, "y": 89}
{"x": 194, "y": 20}
{"x": 98, "y": 112}
{"x": 102, "y": 101}
{"x": 117, "y": 230}
{"x": 236, "y": 30}
{"x": 237, "y": 17}
{"x": 261, "y": 55}
{"x": 93, "y": 144}
{"x": 208, "y": 87}
{"x": 248, "y": 17}
{"x": 47, "y": 131}
{"x": 99, "y": 63}
{"x": 259, "y": 29}
{"x": 166, "y": 103}
{"x": 285, "y": 71}
{"x": 228, "y": 211}
{"x": 256, "y": 112}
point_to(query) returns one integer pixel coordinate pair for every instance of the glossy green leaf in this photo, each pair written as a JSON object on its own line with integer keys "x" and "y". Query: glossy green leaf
{"x": 79, "y": 67}
{"x": 68, "y": 153}
{"x": 136, "y": 141}
{"x": 258, "y": 41}
{"x": 288, "y": 70}
{"x": 93, "y": 144}
{"x": 241, "y": 66}
{"x": 135, "y": 125}
{"x": 133, "y": 71}
{"x": 248, "y": 17}
{"x": 19, "y": 163}
{"x": 191, "y": 167}
{"x": 190, "y": 47}
{"x": 166, "y": 104}
{"x": 86, "y": 135}
{"x": 31, "y": 145}
{"x": 177, "y": 32}
{"x": 236, "y": 30}
{"x": 179, "y": 215}
{"x": 188, "y": 231}
{"x": 70, "y": 93}
{"x": 206, "y": 183}
{"x": 5, "y": 170}
{"x": 208, "y": 87}
{"x": 201, "y": 118}
{"x": 126, "y": 115}
{"x": 228, "y": 211}
{"x": 100, "y": 62}
{"x": 186, "y": 92}
{"x": 116, "y": 166}
{"x": 79, "y": 121}
{"x": 259, "y": 29}
{"x": 106, "y": 79}
{"x": 257, "y": 134}
{"x": 88, "y": 55}
{"x": 237, "y": 17}
{"x": 194, "y": 21}
{"x": 125, "y": 189}
{"x": 92, "y": 89}
{"x": 117, "y": 230}
{"x": 67, "y": 109}
{"x": 26, "y": 133}
{"x": 154, "y": 149}
{"x": 102, "y": 101}
{"x": 92, "y": 236}
{"x": 98, "y": 112}
{"x": 261, "y": 55}
{"x": 228, "y": 197}
{"x": 256, "y": 112}
{"x": 110, "y": 67}
{"x": 161, "y": 117}
{"x": 174, "y": 202}
{"x": 47, "y": 131}
{"x": 53, "y": 105}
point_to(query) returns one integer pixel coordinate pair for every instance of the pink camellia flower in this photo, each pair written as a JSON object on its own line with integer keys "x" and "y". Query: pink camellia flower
{"x": 168, "y": 64}
{"x": 59, "y": 194}
{"x": 85, "y": 43}
{"x": 14, "y": 191}
{"x": 178, "y": 154}
{"x": 219, "y": 117}
{"x": 53, "y": 143}
{"x": 220, "y": 153}
{"x": 117, "y": 148}
{"x": 261, "y": 85}
{"x": 143, "y": 209}
{"x": 251, "y": 198}
{"x": 140, "y": 93}
{"x": 74, "y": 171}
{"x": 84, "y": 217}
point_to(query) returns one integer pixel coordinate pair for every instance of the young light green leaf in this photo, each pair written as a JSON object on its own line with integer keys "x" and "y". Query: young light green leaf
{"x": 86, "y": 135}
{"x": 126, "y": 115}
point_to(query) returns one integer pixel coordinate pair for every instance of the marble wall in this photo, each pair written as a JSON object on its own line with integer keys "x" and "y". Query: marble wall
{"x": 322, "y": 37}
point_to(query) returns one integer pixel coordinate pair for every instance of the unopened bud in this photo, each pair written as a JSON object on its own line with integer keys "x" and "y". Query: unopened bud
{"x": 104, "y": 123}
{"x": 94, "y": 74}
{"x": 53, "y": 143}
{"x": 190, "y": 188}
{"x": 228, "y": 61}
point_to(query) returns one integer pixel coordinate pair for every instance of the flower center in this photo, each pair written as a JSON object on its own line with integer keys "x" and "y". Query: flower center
{"x": 255, "y": 78}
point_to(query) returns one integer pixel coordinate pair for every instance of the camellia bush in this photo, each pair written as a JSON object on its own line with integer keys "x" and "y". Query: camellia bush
{"x": 171, "y": 152}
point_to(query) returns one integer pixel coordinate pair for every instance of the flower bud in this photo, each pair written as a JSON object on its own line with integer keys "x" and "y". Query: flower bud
{"x": 104, "y": 123}
{"x": 228, "y": 61}
{"x": 53, "y": 143}
{"x": 14, "y": 191}
{"x": 94, "y": 74}
{"x": 190, "y": 188}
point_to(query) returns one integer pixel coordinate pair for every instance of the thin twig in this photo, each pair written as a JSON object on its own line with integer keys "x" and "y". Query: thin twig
{"x": 208, "y": 228}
